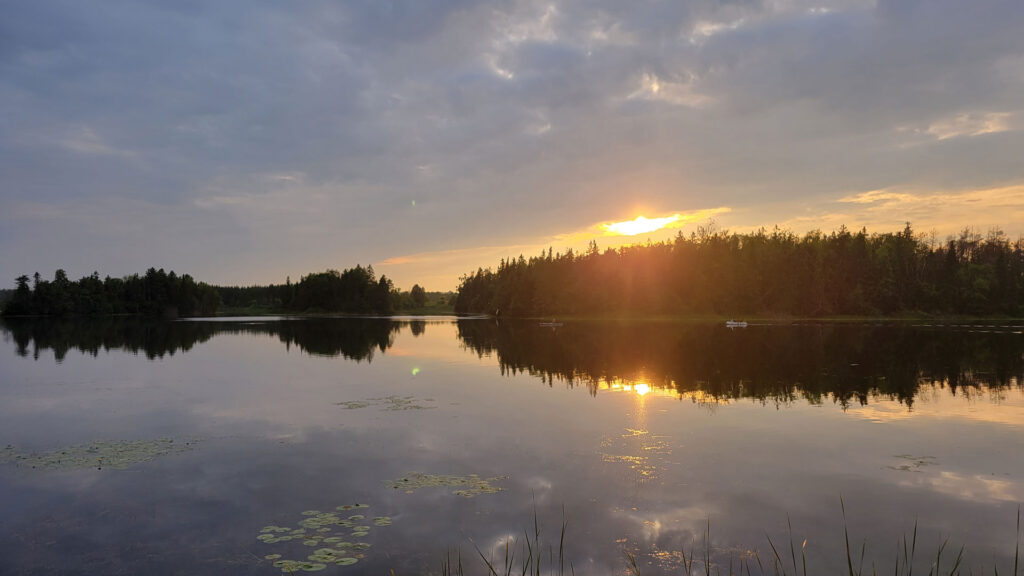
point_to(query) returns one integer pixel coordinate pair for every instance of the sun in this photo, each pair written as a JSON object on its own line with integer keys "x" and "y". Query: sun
{"x": 639, "y": 226}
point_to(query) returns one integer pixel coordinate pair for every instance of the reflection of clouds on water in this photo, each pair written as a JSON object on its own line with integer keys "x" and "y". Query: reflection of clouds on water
{"x": 723, "y": 452}
{"x": 660, "y": 535}
{"x": 979, "y": 488}
{"x": 990, "y": 406}
{"x": 541, "y": 488}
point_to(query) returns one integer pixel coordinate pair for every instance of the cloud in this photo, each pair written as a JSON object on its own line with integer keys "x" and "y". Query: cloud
{"x": 969, "y": 125}
{"x": 501, "y": 122}
{"x": 445, "y": 266}
{"x": 679, "y": 93}
{"x": 944, "y": 213}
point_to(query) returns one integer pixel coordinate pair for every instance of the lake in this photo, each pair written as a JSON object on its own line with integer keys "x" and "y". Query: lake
{"x": 203, "y": 447}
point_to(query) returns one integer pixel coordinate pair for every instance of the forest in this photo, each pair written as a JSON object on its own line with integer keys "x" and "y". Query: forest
{"x": 353, "y": 291}
{"x": 159, "y": 293}
{"x": 780, "y": 273}
{"x": 356, "y": 291}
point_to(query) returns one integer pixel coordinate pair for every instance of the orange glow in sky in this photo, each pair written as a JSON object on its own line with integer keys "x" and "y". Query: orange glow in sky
{"x": 640, "y": 225}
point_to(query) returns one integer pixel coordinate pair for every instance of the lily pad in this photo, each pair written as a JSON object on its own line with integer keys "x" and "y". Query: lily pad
{"x": 389, "y": 403}
{"x": 317, "y": 528}
{"x": 465, "y": 486}
{"x": 100, "y": 454}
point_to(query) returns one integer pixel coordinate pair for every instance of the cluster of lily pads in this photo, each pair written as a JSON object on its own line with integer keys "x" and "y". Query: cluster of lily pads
{"x": 337, "y": 534}
{"x": 389, "y": 403}
{"x": 466, "y": 486}
{"x": 913, "y": 463}
{"x": 100, "y": 454}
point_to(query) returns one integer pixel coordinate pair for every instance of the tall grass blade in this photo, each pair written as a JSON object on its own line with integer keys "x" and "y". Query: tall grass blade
{"x": 846, "y": 534}
{"x": 633, "y": 568}
{"x": 803, "y": 556}
{"x": 913, "y": 549}
{"x": 778, "y": 559}
{"x": 792, "y": 551}
{"x": 1016, "y": 553}
{"x": 956, "y": 565}
{"x": 707, "y": 549}
{"x": 490, "y": 567}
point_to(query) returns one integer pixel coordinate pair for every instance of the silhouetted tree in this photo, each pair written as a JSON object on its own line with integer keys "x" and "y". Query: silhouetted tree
{"x": 777, "y": 272}
{"x": 419, "y": 296}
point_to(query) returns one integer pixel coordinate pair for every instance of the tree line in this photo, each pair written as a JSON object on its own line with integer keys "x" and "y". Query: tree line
{"x": 158, "y": 293}
{"x": 774, "y": 273}
{"x": 353, "y": 291}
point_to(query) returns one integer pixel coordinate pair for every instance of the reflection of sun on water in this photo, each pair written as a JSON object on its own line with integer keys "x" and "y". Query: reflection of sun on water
{"x": 637, "y": 445}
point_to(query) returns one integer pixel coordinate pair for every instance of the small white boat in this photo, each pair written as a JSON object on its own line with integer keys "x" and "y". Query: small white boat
{"x": 551, "y": 324}
{"x": 735, "y": 324}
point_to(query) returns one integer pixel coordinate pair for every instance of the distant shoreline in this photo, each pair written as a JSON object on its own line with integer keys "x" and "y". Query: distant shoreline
{"x": 609, "y": 318}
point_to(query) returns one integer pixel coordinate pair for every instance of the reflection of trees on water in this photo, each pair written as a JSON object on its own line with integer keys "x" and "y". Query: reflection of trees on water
{"x": 353, "y": 338}
{"x": 778, "y": 363}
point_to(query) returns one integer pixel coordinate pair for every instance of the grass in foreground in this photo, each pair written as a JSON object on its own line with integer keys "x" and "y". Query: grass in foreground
{"x": 532, "y": 556}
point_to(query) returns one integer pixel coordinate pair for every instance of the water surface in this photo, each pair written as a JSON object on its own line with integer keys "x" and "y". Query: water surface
{"x": 641, "y": 432}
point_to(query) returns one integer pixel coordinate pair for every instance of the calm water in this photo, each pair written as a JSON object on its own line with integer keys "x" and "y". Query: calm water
{"x": 641, "y": 432}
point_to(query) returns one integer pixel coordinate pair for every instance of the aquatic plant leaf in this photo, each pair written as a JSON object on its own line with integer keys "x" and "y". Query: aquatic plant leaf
{"x": 326, "y": 551}
{"x": 468, "y": 486}
{"x": 318, "y": 527}
{"x": 100, "y": 454}
{"x": 389, "y": 403}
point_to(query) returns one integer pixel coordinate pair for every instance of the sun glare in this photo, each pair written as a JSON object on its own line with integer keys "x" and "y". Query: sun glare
{"x": 640, "y": 225}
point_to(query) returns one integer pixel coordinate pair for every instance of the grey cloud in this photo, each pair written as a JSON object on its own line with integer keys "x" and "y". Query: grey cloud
{"x": 504, "y": 121}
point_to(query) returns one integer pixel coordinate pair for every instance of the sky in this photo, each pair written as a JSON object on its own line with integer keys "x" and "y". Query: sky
{"x": 245, "y": 142}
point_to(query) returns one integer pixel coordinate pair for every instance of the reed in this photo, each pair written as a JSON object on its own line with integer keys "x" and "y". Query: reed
{"x": 525, "y": 555}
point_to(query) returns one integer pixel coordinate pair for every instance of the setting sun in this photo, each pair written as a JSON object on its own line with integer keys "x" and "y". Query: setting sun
{"x": 640, "y": 225}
